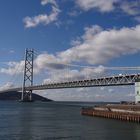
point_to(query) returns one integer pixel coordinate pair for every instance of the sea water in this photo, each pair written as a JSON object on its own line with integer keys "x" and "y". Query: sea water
{"x": 59, "y": 121}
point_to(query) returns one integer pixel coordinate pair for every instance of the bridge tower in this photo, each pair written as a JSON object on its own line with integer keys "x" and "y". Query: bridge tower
{"x": 28, "y": 76}
{"x": 137, "y": 91}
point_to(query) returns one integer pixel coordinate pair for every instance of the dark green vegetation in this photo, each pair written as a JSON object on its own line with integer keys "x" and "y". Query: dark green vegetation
{"x": 13, "y": 95}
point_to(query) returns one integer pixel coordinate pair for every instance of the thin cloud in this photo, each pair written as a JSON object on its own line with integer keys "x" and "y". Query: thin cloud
{"x": 104, "y": 6}
{"x": 7, "y": 86}
{"x": 44, "y": 19}
{"x": 131, "y": 7}
{"x": 13, "y": 68}
{"x": 96, "y": 46}
{"x": 101, "y": 5}
{"x": 90, "y": 94}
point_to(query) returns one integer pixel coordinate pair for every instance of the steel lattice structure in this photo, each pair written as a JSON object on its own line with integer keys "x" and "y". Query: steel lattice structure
{"x": 28, "y": 75}
{"x": 105, "y": 81}
{"x": 119, "y": 80}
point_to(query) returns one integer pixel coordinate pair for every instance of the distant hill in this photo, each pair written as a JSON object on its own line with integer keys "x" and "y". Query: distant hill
{"x": 12, "y": 95}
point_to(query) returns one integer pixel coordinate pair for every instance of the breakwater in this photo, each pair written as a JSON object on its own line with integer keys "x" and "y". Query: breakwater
{"x": 120, "y": 112}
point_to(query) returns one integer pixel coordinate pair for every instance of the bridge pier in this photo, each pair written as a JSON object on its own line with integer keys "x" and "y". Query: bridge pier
{"x": 137, "y": 91}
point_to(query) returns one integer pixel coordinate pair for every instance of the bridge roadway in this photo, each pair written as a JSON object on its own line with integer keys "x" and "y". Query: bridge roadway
{"x": 118, "y": 80}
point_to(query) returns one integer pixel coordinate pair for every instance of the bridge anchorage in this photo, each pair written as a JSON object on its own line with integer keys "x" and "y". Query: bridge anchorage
{"x": 28, "y": 76}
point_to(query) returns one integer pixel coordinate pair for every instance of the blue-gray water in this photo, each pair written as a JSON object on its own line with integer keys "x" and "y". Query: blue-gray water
{"x": 59, "y": 121}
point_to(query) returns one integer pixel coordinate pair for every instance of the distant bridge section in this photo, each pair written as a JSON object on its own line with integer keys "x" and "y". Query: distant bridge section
{"x": 119, "y": 80}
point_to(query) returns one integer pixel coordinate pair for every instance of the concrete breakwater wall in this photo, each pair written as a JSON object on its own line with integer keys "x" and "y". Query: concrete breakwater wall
{"x": 118, "y": 113}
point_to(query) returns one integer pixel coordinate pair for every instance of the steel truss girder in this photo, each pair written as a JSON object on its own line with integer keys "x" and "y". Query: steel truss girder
{"x": 105, "y": 81}
{"x": 97, "y": 82}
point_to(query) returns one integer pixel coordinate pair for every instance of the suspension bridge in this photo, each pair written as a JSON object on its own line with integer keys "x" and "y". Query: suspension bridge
{"x": 115, "y": 80}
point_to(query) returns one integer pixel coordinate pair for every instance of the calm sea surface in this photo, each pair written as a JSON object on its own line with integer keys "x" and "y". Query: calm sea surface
{"x": 59, "y": 121}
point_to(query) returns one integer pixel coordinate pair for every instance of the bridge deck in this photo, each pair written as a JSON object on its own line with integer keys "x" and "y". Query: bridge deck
{"x": 119, "y": 80}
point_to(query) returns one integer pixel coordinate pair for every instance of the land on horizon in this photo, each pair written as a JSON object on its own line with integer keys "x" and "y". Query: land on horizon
{"x": 13, "y": 95}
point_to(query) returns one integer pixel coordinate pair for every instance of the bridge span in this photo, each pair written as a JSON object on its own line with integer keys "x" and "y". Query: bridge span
{"x": 119, "y": 80}
{"x": 28, "y": 87}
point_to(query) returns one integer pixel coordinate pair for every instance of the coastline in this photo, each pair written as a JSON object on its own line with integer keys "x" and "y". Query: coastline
{"x": 114, "y": 111}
